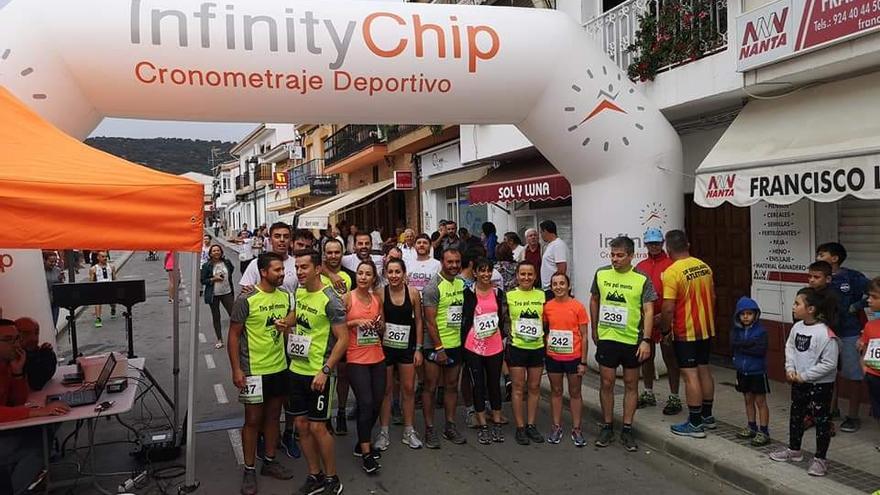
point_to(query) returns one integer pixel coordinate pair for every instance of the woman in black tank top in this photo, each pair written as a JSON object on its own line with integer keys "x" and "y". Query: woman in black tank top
{"x": 402, "y": 344}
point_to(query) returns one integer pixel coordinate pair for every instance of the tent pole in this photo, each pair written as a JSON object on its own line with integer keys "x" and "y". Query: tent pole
{"x": 175, "y": 339}
{"x": 190, "y": 484}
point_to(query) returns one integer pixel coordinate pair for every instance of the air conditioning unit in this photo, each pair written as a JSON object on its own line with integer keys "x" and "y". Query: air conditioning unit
{"x": 296, "y": 152}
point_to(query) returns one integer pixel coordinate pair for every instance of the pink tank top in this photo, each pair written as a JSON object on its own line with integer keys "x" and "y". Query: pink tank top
{"x": 486, "y": 318}
{"x": 364, "y": 345}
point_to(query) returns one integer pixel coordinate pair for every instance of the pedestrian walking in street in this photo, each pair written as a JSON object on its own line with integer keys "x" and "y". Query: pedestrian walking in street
{"x": 811, "y": 354}
{"x": 567, "y": 345}
{"x": 216, "y": 277}
{"x": 365, "y": 361}
{"x": 748, "y": 341}
{"x": 525, "y": 352}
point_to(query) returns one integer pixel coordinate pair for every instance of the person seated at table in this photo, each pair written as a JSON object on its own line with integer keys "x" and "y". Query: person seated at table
{"x": 41, "y": 361}
{"x": 21, "y": 450}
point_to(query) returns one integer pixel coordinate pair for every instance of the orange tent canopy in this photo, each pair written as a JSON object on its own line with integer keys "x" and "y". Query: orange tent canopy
{"x": 57, "y": 192}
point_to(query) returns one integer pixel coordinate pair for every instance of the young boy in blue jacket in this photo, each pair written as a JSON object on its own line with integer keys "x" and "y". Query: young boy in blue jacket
{"x": 748, "y": 340}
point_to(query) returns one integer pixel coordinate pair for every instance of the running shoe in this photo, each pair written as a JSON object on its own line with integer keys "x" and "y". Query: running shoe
{"x": 471, "y": 418}
{"x": 606, "y": 436}
{"x": 647, "y": 399}
{"x": 358, "y": 453}
{"x": 341, "y": 425}
{"x": 98, "y": 323}
{"x": 534, "y": 434}
{"x": 787, "y": 455}
{"x": 819, "y": 467}
{"x": 850, "y": 425}
{"x": 521, "y": 437}
{"x": 275, "y": 470}
{"x": 498, "y": 435}
{"x": 382, "y": 441}
{"x": 746, "y": 433}
{"x": 555, "y": 435}
{"x": 687, "y": 429}
{"x": 313, "y": 485}
{"x": 483, "y": 435}
{"x": 249, "y": 482}
{"x": 289, "y": 445}
{"x": 411, "y": 439}
{"x": 370, "y": 464}
{"x": 673, "y": 406}
{"x": 261, "y": 447}
{"x": 396, "y": 413}
{"x": 577, "y": 436}
{"x": 332, "y": 485}
{"x": 628, "y": 442}
{"x": 431, "y": 439}
{"x": 760, "y": 440}
{"x": 452, "y": 434}
{"x": 709, "y": 422}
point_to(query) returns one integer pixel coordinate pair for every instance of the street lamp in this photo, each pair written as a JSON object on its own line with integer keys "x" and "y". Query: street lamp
{"x": 252, "y": 166}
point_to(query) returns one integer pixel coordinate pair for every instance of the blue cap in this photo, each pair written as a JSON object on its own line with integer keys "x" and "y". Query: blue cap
{"x": 653, "y": 235}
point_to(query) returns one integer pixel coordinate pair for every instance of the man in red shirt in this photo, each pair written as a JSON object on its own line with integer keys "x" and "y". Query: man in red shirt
{"x": 653, "y": 267}
{"x": 21, "y": 451}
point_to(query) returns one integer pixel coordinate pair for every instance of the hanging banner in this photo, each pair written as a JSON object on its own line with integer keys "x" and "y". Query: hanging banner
{"x": 23, "y": 285}
{"x": 787, "y": 28}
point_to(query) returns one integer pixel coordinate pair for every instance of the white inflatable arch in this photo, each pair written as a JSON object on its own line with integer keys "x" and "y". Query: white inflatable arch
{"x": 76, "y": 62}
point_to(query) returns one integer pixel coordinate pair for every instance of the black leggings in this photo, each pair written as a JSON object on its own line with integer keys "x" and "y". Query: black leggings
{"x": 813, "y": 399}
{"x": 226, "y": 301}
{"x": 485, "y": 374}
{"x": 368, "y": 383}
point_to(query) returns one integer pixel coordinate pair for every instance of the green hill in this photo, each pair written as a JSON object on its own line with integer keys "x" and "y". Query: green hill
{"x": 172, "y": 155}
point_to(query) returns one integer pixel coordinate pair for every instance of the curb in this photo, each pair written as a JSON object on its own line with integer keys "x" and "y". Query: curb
{"x": 742, "y": 467}
{"x": 61, "y": 327}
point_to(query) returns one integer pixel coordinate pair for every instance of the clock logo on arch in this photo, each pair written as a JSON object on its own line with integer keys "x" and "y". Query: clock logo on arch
{"x": 609, "y": 118}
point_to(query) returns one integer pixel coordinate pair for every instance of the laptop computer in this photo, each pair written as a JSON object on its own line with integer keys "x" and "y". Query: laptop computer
{"x": 88, "y": 394}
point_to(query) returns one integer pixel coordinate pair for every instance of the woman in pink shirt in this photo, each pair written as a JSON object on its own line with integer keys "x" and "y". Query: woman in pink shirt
{"x": 483, "y": 324}
{"x": 365, "y": 359}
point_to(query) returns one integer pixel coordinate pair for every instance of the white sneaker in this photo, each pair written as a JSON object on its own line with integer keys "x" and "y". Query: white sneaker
{"x": 411, "y": 439}
{"x": 382, "y": 441}
{"x": 471, "y": 418}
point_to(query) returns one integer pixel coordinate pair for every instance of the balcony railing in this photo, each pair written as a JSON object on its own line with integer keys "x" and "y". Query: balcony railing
{"x": 348, "y": 141}
{"x": 263, "y": 172}
{"x": 393, "y": 132}
{"x": 690, "y": 29}
{"x": 242, "y": 181}
{"x": 299, "y": 175}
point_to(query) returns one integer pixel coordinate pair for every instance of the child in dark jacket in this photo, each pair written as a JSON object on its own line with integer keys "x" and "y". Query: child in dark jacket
{"x": 748, "y": 340}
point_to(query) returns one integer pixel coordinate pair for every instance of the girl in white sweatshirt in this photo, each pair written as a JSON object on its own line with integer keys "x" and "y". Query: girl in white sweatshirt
{"x": 811, "y": 366}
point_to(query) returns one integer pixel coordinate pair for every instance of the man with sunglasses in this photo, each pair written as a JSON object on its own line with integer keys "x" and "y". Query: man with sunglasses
{"x": 102, "y": 271}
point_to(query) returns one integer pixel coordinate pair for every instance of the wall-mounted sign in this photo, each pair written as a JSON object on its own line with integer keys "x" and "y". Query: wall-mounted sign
{"x": 322, "y": 185}
{"x": 440, "y": 160}
{"x": 279, "y": 179}
{"x": 404, "y": 180}
{"x": 782, "y": 241}
{"x": 787, "y": 28}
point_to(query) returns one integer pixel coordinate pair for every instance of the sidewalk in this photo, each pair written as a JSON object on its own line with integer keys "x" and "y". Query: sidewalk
{"x": 854, "y": 465}
{"x": 119, "y": 260}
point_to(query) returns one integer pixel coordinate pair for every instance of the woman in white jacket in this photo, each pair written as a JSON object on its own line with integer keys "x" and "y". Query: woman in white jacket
{"x": 811, "y": 366}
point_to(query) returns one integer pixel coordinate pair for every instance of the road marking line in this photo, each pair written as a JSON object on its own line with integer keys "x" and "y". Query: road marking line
{"x": 209, "y": 361}
{"x": 202, "y": 338}
{"x": 220, "y": 392}
{"x": 235, "y": 440}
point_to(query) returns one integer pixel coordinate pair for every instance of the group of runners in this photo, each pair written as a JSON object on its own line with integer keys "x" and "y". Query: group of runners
{"x": 406, "y": 323}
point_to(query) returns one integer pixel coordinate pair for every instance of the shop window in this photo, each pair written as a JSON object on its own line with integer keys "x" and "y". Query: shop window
{"x": 470, "y": 216}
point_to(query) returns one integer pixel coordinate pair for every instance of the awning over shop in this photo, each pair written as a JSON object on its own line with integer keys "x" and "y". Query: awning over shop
{"x": 524, "y": 181}
{"x": 318, "y": 217}
{"x": 822, "y": 143}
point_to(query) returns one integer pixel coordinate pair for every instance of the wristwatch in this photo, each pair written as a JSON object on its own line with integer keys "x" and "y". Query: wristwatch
{"x": 326, "y": 370}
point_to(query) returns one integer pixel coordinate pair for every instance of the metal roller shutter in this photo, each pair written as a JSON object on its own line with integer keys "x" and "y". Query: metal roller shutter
{"x": 859, "y": 231}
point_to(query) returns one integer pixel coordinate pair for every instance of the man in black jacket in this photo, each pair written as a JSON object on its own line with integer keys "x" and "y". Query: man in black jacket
{"x": 41, "y": 359}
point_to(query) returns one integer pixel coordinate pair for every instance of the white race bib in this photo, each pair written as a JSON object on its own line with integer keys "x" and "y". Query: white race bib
{"x": 367, "y": 335}
{"x": 561, "y": 341}
{"x": 529, "y": 328}
{"x": 486, "y": 325}
{"x": 453, "y": 317}
{"x": 396, "y": 336}
{"x": 872, "y": 354}
{"x": 252, "y": 393}
{"x": 298, "y": 346}
{"x": 613, "y": 316}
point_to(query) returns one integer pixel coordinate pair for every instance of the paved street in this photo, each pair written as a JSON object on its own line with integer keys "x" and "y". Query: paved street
{"x": 468, "y": 469}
